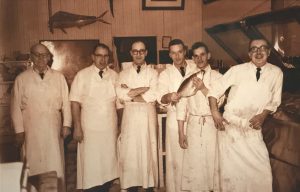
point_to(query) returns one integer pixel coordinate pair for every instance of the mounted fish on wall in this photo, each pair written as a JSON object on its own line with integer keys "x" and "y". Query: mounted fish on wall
{"x": 62, "y": 19}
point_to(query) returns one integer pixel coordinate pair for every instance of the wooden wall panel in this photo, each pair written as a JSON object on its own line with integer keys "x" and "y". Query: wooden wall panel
{"x": 183, "y": 24}
{"x": 227, "y": 11}
{"x": 29, "y": 22}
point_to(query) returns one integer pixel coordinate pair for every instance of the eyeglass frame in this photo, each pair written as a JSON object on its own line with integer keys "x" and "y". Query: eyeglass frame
{"x": 40, "y": 55}
{"x": 138, "y": 52}
{"x": 264, "y": 48}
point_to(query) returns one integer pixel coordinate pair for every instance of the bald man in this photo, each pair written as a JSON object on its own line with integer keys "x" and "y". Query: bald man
{"x": 41, "y": 115}
{"x": 138, "y": 146}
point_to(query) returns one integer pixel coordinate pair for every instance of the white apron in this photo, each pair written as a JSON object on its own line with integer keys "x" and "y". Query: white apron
{"x": 97, "y": 155}
{"x": 138, "y": 146}
{"x": 244, "y": 159}
{"x": 200, "y": 162}
{"x": 174, "y": 154}
{"x": 42, "y": 122}
{"x": 169, "y": 81}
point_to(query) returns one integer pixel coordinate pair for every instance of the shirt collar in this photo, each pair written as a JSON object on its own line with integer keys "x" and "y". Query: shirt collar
{"x": 142, "y": 66}
{"x": 45, "y": 71}
{"x": 207, "y": 69}
{"x": 254, "y": 68}
{"x": 98, "y": 70}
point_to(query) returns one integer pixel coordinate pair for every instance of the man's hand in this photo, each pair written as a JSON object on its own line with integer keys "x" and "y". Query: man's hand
{"x": 137, "y": 91}
{"x": 257, "y": 121}
{"x": 198, "y": 83}
{"x": 183, "y": 141}
{"x": 19, "y": 139}
{"x": 65, "y": 132}
{"x": 78, "y": 134}
{"x": 174, "y": 97}
{"x": 219, "y": 120}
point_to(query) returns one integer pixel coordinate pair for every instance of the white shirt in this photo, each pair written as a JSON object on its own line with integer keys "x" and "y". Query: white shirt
{"x": 147, "y": 77}
{"x": 170, "y": 80}
{"x": 248, "y": 96}
{"x": 85, "y": 80}
{"x": 198, "y": 104}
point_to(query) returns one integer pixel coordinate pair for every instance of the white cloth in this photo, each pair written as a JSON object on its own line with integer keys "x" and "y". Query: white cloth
{"x": 200, "y": 160}
{"x": 37, "y": 107}
{"x": 244, "y": 159}
{"x": 138, "y": 140}
{"x": 168, "y": 82}
{"x": 97, "y": 156}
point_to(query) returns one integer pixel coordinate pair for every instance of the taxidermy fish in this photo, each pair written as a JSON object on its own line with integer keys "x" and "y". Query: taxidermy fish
{"x": 111, "y": 6}
{"x": 64, "y": 20}
{"x": 187, "y": 88}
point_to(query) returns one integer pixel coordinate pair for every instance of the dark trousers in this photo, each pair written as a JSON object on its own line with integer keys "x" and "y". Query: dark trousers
{"x": 136, "y": 189}
{"x": 101, "y": 188}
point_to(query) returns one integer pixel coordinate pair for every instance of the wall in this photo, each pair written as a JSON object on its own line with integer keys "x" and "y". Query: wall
{"x": 225, "y": 11}
{"x": 24, "y": 22}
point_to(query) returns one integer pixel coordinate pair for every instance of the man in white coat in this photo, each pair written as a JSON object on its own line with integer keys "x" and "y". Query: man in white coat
{"x": 255, "y": 92}
{"x": 41, "y": 115}
{"x": 138, "y": 139}
{"x": 93, "y": 101}
{"x": 168, "y": 84}
{"x": 200, "y": 170}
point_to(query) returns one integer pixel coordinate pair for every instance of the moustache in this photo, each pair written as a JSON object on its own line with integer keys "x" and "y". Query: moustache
{"x": 259, "y": 56}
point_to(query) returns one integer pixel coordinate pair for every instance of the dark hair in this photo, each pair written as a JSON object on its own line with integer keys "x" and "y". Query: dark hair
{"x": 139, "y": 41}
{"x": 101, "y": 45}
{"x": 176, "y": 42}
{"x": 256, "y": 39}
{"x": 199, "y": 45}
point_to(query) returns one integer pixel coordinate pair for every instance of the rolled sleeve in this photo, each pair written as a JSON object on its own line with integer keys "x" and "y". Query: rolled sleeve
{"x": 181, "y": 109}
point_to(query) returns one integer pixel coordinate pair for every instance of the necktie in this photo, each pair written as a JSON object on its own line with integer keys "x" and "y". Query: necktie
{"x": 258, "y": 69}
{"x": 182, "y": 71}
{"x": 202, "y": 72}
{"x": 101, "y": 73}
{"x": 138, "y": 69}
{"x": 42, "y": 75}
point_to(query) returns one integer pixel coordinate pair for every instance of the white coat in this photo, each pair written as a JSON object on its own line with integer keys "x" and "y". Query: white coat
{"x": 38, "y": 108}
{"x": 96, "y": 154}
{"x": 200, "y": 160}
{"x": 244, "y": 159}
{"x": 138, "y": 140}
{"x": 168, "y": 82}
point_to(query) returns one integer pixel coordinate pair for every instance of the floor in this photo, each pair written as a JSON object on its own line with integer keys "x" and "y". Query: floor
{"x": 70, "y": 159}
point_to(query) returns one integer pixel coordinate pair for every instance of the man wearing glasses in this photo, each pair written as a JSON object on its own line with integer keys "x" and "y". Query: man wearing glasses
{"x": 93, "y": 101}
{"x": 255, "y": 93}
{"x": 138, "y": 138}
{"x": 168, "y": 84}
{"x": 200, "y": 172}
{"x": 41, "y": 115}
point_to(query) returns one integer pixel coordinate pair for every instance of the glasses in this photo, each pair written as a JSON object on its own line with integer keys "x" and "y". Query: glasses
{"x": 140, "y": 52}
{"x": 261, "y": 48}
{"x": 40, "y": 55}
{"x": 102, "y": 56}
